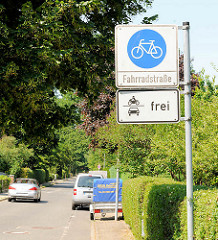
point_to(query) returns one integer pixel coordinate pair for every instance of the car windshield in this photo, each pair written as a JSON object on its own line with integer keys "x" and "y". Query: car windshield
{"x": 87, "y": 181}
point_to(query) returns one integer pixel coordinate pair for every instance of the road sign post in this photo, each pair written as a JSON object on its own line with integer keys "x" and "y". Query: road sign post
{"x": 188, "y": 132}
{"x": 146, "y": 57}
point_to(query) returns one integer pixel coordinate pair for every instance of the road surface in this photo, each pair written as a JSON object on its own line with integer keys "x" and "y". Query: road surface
{"x": 50, "y": 219}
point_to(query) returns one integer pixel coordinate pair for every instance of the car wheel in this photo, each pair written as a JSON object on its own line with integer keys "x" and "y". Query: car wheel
{"x": 39, "y": 199}
{"x": 91, "y": 216}
{"x": 74, "y": 207}
{"x": 9, "y": 199}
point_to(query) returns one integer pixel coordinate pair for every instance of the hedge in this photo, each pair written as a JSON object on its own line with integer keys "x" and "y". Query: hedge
{"x": 39, "y": 175}
{"x": 132, "y": 203}
{"x": 153, "y": 205}
{"x": 4, "y": 182}
{"x": 155, "y": 209}
{"x": 47, "y": 178}
{"x": 205, "y": 215}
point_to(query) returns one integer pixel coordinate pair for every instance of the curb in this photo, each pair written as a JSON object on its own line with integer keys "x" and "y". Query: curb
{"x": 3, "y": 198}
{"x": 93, "y": 231}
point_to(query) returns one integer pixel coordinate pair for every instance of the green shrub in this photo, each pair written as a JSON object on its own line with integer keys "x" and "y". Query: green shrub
{"x": 4, "y": 182}
{"x": 27, "y": 173}
{"x": 205, "y": 216}
{"x": 132, "y": 203}
{"x": 160, "y": 204}
{"x": 162, "y": 199}
{"x": 46, "y": 175}
{"x": 51, "y": 176}
{"x": 39, "y": 175}
{"x": 152, "y": 204}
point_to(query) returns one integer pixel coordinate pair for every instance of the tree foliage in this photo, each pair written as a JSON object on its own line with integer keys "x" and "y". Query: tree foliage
{"x": 46, "y": 44}
{"x": 13, "y": 157}
{"x": 194, "y": 77}
{"x": 160, "y": 149}
{"x": 69, "y": 155}
{"x": 95, "y": 115}
{"x": 126, "y": 145}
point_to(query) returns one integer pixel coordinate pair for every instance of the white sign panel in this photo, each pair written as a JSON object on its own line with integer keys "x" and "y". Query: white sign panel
{"x": 148, "y": 106}
{"x": 146, "y": 56}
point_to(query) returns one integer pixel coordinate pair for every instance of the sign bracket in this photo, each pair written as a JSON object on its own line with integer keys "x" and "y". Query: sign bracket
{"x": 184, "y": 83}
{"x": 185, "y": 119}
{"x": 185, "y": 92}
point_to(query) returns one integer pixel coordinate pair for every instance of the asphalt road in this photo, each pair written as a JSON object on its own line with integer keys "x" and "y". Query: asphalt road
{"x": 50, "y": 219}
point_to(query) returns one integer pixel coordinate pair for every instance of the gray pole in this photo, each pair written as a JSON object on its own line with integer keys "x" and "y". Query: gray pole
{"x": 117, "y": 194}
{"x": 188, "y": 132}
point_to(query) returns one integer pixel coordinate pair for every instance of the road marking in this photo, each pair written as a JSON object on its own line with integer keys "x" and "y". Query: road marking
{"x": 67, "y": 227}
{"x": 44, "y": 228}
{"x": 16, "y": 232}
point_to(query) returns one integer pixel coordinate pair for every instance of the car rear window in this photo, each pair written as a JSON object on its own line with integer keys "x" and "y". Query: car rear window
{"x": 31, "y": 181}
{"x": 87, "y": 181}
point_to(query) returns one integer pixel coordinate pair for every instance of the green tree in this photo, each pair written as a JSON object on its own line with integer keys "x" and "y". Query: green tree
{"x": 13, "y": 157}
{"x": 168, "y": 150}
{"x": 160, "y": 149}
{"x": 128, "y": 143}
{"x": 207, "y": 88}
{"x": 47, "y": 44}
{"x": 168, "y": 142}
{"x": 69, "y": 155}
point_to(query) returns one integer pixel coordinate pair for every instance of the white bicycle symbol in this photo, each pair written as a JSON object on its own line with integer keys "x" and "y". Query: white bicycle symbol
{"x": 155, "y": 51}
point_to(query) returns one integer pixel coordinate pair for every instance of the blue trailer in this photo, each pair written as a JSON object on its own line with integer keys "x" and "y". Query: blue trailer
{"x": 104, "y": 197}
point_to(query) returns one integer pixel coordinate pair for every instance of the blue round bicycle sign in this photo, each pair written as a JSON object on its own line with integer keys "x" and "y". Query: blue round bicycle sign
{"x": 146, "y": 48}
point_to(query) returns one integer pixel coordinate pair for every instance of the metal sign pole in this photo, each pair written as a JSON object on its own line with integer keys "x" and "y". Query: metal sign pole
{"x": 188, "y": 132}
{"x": 117, "y": 195}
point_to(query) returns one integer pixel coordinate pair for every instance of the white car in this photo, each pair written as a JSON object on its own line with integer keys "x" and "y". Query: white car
{"x": 83, "y": 190}
{"x": 24, "y": 188}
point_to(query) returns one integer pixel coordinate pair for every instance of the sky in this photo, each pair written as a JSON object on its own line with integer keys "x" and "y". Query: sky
{"x": 203, "y": 18}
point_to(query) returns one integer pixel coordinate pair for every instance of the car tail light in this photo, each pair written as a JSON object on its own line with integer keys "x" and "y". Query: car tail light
{"x": 33, "y": 188}
{"x": 74, "y": 191}
{"x": 97, "y": 211}
{"x": 120, "y": 210}
{"x": 12, "y": 188}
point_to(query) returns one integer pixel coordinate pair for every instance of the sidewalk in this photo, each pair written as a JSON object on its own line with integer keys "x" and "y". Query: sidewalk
{"x": 109, "y": 229}
{"x": 3, "y": 196}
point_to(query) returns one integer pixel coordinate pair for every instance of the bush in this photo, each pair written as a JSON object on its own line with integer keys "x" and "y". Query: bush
{"x": 46, "y": 175}
{"x": 205, "y": 216}
{"x": 4, "y": 182}
{"x": 156, "y": 209}
{"x": 150, "y": 206}
{"x": 132, "y": 199}
{"x": 39, "y": 175}
{"x": 51, "y": 176}
{"x": 162, "y": 199}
